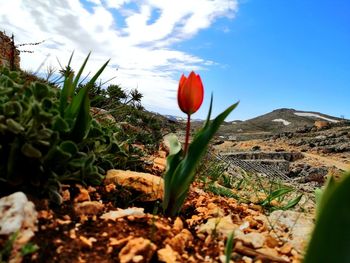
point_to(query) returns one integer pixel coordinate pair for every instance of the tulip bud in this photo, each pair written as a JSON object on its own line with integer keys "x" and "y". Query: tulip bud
{"x": 190, "y": 93}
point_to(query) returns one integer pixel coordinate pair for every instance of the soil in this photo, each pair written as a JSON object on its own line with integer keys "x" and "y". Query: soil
{"x": 65, "y": 236}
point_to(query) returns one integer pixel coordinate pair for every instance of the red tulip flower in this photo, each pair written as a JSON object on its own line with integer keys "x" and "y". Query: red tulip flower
{"x": 190, "y": 93}
{"x": 190, "y": 97}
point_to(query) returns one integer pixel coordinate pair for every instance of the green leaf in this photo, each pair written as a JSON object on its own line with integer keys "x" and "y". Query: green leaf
{"x": 95, "y": 132}
{"x": 174, "y": 145}
{"x": 60, "y": 124}
{"x": 82, "y": 122}
{"x": 12, "y": 108}
{"x": 44, "y": 134}
{"x": 325, "y": 194}
{"x": 14, "y": 126}
{"x": 292, "y": 203}
{"x": 5, "y": 251}
{"x": 229, "y": 247}
{"x": 66, "y": 93}
{"x": 76, "y": 80}
{"x": 69, "y": 147}
{"x": 74, "y": 107}
{"x": 98, "y": 73}
{"x": 275, "y": 194}
{"x": 28, "y": 248}
{"x": 55, "y": 196}
{"x": 30, "y": 151}
{"x": 3, "y": 128}
{"x": 40, "y": 91}
{"x": 330, "y": 240}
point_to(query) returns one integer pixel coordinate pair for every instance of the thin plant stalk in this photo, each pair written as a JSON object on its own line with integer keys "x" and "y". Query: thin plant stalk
{"x": 188, "y": 128}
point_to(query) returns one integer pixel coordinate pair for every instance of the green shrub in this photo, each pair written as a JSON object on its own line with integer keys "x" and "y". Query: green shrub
{"x": 47, "y": 136}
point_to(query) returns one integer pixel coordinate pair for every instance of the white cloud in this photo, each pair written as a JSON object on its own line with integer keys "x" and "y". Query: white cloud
{"x": 136, "y": 35}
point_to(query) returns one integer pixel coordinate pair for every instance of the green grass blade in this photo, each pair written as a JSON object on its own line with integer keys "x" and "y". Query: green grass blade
{"x": 209, "y": 112}
{"x": 275, "y": 194}
{"x": 228, "y": 248}
{"x": 292, "y": 203}
{"x": 70, "y": 59}
{"x": 76, "y": 80}
{"x": 74, "y": 107}
{"x": 67, "y": 93}
{"x": 98, "y": 73}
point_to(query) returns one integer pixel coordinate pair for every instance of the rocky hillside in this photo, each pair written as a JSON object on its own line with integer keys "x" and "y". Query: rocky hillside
{"x": 278, "y": 121}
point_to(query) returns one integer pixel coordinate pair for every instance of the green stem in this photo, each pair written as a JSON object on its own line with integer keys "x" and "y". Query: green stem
{"x": 188, "y": 128}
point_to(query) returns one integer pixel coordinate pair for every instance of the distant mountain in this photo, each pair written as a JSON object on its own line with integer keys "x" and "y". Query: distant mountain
{"x": 180, "y": 119}
{"x": 277, "y": 121}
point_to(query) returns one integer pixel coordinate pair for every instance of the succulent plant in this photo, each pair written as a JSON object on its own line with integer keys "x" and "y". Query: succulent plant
{"x": 47, "y": 136}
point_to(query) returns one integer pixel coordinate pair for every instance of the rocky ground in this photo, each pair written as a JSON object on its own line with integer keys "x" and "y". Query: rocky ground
{"x": 326, "y": 150}
{"x": 92, "y": 226}
{"x": 122, "y": 220}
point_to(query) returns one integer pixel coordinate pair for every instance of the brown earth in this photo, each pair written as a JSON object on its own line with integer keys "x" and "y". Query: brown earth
{"x": 68, "y": 235}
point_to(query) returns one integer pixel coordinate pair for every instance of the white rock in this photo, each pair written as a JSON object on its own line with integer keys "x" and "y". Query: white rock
{"x": 132, "y": 211}
{"x": 286, "y": 123}
{"x": 299, "y": 226}
{"x": 17, "y": 213}
{"x": 255, "y": 239}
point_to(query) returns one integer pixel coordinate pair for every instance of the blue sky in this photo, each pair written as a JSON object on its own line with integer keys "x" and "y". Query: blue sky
{"x": 268, "y": 54}
{"x": 292, "y": 54}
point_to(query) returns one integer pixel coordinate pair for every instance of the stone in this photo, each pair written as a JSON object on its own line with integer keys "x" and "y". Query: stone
{"x": 18, "y": 214}
{"x": 117, "y": 243}
{"x": 180, "y": 241}
{"x": 101, "y": 115}
{"x": 286, "y": 248}
{"x": 162, "y": 153}
{"x": 132, "y": 211}
{"x": 82, "y": 196}
{"x": 271, "y": 241}
{"x": 254, "y": 239}
{"x": 223, "y": 259}
{"x": 297, "y": 225}
{"x": 321, "y": 124}
{"x": 159, "y": 163}
{"x": 65, "y": 195}
{"x": 136, "y": 250}
{"x": 222, "y": 225}
{"x": 88, "y": 208}
{"x": 178, "y": 225}
{"x": 87, "y": 242}
{"x": 269, "y": 252}
{"x": 168, "y": 255}
{"x": 151, "y": 186}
